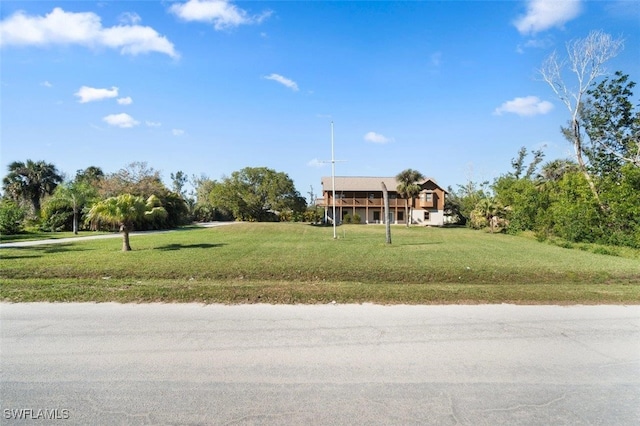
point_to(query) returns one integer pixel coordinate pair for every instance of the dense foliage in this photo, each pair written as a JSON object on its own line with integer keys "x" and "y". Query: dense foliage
{"x": 257, "y": 194}
{"x": 11, "y": 217}
{"x": 599, "y": 203}
{"x": 30, "y": 182}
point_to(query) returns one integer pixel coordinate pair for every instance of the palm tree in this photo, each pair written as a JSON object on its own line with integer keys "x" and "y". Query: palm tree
{"x": 409, "y": 188}
{"x": 31, "y": 181}
{"x": 554, "y": 171}
{"x": 77, "y": 194}
{"x": 124, "y": 211}
{"x": 489, "y": 209}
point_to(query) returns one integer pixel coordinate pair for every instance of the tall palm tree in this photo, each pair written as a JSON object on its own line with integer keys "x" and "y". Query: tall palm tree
{"x": 31, "y": 181}
{"x": 78, "y": 194}
{"x": 124, "y": 211}
{"x": 408, "y": 188}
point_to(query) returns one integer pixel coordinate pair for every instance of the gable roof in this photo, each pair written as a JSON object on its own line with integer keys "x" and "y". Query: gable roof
{"x": 362, "y": 183}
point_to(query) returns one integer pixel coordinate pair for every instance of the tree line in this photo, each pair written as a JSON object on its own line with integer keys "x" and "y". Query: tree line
{"x": 36, "y": 195}
{"x": 592, "y": 197}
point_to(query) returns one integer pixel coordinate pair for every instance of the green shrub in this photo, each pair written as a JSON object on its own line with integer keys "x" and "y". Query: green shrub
{"x": 356, "y": 218}
{"x": 11, "y": 217}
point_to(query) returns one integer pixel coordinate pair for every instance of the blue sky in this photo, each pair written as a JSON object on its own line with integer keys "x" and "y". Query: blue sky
{"x": 209, "y": 87}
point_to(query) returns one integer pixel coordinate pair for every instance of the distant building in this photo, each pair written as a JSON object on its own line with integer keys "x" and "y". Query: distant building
{"x": 362, "y": 196}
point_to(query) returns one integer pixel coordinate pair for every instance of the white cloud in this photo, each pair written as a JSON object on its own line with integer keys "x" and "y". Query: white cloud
{"x": 129, "y": 18}
{"x": 535, "y": 43}
{"x": 222, "y": 13}
{"x": 85, "y": 29}
{"x": 544, "y": 14}
{"x": 527, "y": 106}
{"x": 90, "y": 94}
{"x": 46, "y": 84}
{"x": 125, "y": 101}
{"x": 152, "y": 124}
{"x": 120, "y": 120}
{"x": 177, "y": 132}
{"x": 376, "y": 138}
{"x": 283, "y": 80}
{"x": 315, "y": 163}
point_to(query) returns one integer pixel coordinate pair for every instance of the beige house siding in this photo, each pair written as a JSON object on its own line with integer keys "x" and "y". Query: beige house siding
{"x": 363, "y": 196}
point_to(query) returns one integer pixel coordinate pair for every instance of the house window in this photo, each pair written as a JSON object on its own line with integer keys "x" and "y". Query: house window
{"x": 426, "y": 216}
{"x": 372, "y": 195}
{"x": 376, "y": 216}
{"x": 400, "y": 216}
{"x": 426, "y": 197}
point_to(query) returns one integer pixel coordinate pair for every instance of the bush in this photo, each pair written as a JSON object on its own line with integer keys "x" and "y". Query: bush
{"x": 347, "y": 218}
{"x": 11, "y": 217}
{"x": 312, "y": 215}
{"x": 357, "y": 219}
{"x": 57, "y": 221}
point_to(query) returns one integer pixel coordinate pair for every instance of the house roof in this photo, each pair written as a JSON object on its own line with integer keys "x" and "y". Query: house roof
{"x": 362, "y": 183}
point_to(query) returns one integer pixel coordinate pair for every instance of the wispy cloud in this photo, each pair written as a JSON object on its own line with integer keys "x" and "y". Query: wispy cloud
{"x": 316, "y": 163}
{"x": 436, "y": 59}
{"x": 152, "y": 123}
{"x": 91, "y": 94}
{"x": 535, "y": 43}
{"x": 85, "y": 28}
{"x": 177, "y": 132}
{"x": 283, "y": 80}
{"x": 122, "y": 120}
{"x": 221, "y": 13}
{"x": 526, "y": 107}
{"x": 374, "y": 137}
{"x": 129, "y": 18}
{"x": 46, "y": 84}
{"x": 125, "y": 101}
{"x": 544, "y": 14}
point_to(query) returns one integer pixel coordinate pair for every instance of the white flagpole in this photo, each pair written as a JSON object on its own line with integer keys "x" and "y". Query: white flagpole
{"x": 333, "y": 184}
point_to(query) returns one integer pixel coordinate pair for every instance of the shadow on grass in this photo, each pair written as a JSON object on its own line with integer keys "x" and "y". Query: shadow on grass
{"x": 45, "y": 248}
{"x": 27, "y": 256}
{"x": 170, "y": 247}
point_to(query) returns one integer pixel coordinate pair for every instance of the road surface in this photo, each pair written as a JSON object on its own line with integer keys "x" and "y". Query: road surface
{"x": 323, "y": 364}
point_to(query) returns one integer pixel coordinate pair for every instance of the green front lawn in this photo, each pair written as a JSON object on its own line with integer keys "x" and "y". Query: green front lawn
{"x": 299, "y": 263}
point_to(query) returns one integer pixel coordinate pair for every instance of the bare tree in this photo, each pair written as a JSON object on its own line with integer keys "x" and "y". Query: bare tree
{"x": 585, "y": 59}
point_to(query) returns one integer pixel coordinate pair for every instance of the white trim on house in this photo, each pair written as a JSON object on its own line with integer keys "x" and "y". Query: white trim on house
{"x": 362, "y": 197}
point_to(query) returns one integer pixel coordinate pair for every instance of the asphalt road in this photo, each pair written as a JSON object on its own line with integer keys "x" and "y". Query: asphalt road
{"x": 324, "y": 364}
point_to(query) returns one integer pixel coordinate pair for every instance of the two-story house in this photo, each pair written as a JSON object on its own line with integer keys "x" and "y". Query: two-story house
{"x": 362, "y": 196}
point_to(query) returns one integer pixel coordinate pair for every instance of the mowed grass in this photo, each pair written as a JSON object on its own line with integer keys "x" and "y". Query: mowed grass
{"x": 299, "y": 263}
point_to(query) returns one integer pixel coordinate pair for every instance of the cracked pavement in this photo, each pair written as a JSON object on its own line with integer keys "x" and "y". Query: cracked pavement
{"x": 322, "y": 364}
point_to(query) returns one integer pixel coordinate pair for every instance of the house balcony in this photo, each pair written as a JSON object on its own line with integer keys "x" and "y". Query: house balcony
{"x": 365, "y": 202}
